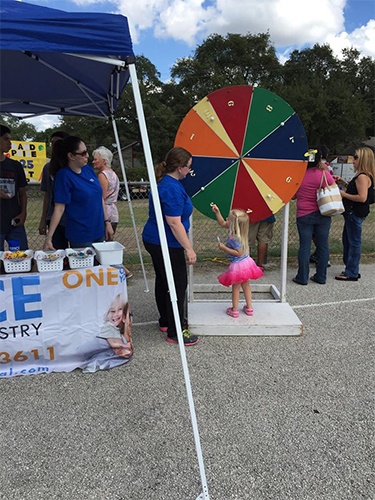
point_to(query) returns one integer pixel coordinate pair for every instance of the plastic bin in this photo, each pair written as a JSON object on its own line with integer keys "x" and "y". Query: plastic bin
{"x": 80, "y": 257}
{"x": 49, "y": 261}
{"x": 109, "y": 253}
{"x": 17, "y": 265}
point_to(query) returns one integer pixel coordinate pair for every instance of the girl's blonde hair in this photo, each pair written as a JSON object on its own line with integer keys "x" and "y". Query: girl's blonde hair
{"x": 366, "y": 161}
{"x": 239, "y": 228}
{"x": 176, "y": 157}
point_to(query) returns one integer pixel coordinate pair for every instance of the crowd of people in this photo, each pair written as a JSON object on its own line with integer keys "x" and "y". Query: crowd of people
{"x": 79, "y": 208}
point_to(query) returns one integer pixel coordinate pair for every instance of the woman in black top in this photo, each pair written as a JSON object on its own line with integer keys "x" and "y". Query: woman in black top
{"x": 357, "y": 197}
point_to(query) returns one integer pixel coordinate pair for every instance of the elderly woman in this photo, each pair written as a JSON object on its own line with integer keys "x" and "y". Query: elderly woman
{"x": 356, "y": 201}
{"x": 109, "y": 181}
{"x": 110, "y": 184}
{"x": 78, "y": 194}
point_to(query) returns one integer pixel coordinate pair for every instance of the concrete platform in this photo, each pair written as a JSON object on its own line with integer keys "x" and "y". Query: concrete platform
{"x": 270, "y": 319}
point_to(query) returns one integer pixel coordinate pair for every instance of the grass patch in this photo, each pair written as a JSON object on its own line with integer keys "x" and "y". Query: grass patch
{"x": 204, "y": 232}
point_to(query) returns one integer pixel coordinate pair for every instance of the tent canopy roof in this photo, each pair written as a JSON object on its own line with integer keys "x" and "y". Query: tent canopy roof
{"x": 56, "y": 62}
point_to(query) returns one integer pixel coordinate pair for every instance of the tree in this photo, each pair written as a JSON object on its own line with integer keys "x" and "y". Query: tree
{"x": 223, "y": 61}
{"x": 326, "y": 98}
{"x": 20, "y": 130}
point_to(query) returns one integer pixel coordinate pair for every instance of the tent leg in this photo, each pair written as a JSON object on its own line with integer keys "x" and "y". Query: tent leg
{"x": 168, "y": 269}
{"x": 129, "y": 201}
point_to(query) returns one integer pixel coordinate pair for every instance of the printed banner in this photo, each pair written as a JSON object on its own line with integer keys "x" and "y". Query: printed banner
{"x": 32, "y": 156}
{"x": 59, "y": 321}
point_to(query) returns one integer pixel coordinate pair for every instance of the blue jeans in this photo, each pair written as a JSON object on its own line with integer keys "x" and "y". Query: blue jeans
{"x": 307, "y": 225}
{"x": 351, "y": 240}
{"x": 16, "y": 233}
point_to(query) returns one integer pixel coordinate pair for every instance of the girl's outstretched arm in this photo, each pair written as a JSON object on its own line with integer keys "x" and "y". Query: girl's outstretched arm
{"x": 231, "y": 251}
{"x": 220, "y": 219}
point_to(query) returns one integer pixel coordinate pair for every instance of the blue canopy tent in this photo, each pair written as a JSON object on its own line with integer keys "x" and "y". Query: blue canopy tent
{"x": 77, "y": 64}
{"x": 55, "y": 62}
{"x": 61, "y": 63}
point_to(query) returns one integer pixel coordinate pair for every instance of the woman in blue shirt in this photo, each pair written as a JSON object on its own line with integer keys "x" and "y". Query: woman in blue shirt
{"x": 78, "y": 194}
{"x": 176, "y": 208}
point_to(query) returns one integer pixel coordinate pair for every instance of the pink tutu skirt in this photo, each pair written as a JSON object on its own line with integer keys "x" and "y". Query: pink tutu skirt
{"x": 240, "y": 272}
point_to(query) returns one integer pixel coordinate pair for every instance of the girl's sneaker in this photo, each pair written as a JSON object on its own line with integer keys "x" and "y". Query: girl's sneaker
{"x": 248, "y": 310}
{"x": 231, "y": 312}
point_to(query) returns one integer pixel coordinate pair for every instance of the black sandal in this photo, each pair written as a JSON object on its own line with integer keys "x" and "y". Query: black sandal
{"x": 343, "y": 277}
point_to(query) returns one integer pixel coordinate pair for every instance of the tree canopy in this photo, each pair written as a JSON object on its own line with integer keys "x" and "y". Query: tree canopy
{"x": 334, "y": 97}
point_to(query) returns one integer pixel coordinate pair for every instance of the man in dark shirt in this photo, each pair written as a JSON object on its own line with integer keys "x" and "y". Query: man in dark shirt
{"x": 13, "y": 199}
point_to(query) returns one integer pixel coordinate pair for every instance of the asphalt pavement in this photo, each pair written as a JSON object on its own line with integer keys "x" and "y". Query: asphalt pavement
{"x": 278, "y": 417}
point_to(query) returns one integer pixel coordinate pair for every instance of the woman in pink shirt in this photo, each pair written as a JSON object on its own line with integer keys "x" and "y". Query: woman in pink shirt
{"x": 310, "y": 222}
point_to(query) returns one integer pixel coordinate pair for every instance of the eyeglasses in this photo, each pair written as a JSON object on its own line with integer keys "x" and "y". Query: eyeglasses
{"x": 84, "y": 153}
{"x": 355, "y": 157}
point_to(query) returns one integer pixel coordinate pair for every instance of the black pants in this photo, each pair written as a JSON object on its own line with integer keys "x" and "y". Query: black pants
{"x": 59, "y": 240}
{"x": 162, "y": 296}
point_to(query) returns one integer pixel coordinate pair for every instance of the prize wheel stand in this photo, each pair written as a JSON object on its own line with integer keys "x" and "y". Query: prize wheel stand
{"x": 249, "y": 151}
{"x": 273, "y": 316}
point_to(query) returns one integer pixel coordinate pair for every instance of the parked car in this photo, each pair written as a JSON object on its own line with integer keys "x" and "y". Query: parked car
{"x": 122, "y": 193}
{"x": 137, "y": 190}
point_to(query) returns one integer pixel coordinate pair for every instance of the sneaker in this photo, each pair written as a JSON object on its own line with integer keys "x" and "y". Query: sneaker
{"x": 189, "y": 339}
{"x": 231, "y": 312}
{"x": 248, "y": 310}
{"x": 163, "y": 329}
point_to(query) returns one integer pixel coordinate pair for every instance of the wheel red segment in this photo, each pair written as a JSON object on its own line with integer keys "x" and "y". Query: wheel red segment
{"x": 248, "y": 197}
{"x": 232, "y": 105}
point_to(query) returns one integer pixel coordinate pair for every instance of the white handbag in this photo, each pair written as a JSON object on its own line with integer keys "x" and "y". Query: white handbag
{"x": 329, "y": 198}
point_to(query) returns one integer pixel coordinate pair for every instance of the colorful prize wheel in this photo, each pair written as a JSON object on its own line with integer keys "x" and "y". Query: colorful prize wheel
{"x": 248, "y": 148}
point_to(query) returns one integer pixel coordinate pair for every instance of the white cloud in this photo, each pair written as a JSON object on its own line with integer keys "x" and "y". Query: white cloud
{"x": 43, "y": 122}
{"x": 291, "y": 23}
{"x": 362, "y": 38}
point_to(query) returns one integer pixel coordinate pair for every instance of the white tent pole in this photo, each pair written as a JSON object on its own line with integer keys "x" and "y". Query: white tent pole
{"x": 168, "y": 269}
{"x": 121, "y": 159}
{"x": 284, "y": 252}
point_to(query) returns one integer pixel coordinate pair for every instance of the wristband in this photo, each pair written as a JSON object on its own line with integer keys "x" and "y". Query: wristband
{"x": 107, "y": 220}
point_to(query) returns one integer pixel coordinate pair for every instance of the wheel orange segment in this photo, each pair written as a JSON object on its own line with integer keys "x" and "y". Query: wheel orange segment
{"x": 282, "y": 176}
{"x": 197, "y": 136}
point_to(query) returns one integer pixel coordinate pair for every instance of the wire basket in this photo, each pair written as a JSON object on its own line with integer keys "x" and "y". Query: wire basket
{"x": 49, "y": 261}
{"x": 80, "y": 257}
{"x": 18, "y": 265}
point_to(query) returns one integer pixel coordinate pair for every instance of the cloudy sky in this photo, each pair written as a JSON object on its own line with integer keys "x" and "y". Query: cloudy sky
{"x": 165, "y": 30}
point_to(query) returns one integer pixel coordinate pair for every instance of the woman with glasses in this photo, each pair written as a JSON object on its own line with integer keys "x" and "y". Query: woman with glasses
{"x": 176, "y": 208}
{"x": 357, "y": 198}
{"x": 78, "y": 194}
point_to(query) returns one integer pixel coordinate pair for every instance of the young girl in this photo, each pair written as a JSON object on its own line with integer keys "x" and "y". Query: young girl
{"x": 242, "y": 267}
{"x": 117, "y": 327}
